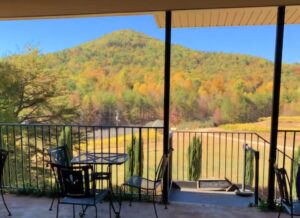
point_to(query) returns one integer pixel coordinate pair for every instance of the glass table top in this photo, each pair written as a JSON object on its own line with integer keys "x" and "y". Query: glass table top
{"x": 100, "y": 158}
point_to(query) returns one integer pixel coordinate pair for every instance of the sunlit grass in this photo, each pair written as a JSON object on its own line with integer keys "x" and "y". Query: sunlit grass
{"x": 250, "y": 127}
{"x": 264, "y": 124}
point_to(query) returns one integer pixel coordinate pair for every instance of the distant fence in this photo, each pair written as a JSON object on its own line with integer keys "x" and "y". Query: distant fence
{"x": 26, "y": 167}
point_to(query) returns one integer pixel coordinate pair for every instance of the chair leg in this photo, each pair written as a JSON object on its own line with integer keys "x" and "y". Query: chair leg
{"x": 154, "y": 205}
{"x": 120, "y": 200}
{"x": 130, "y": 199}
{"x": 51, "y": 206}
{"x": 280, "y": 210}
{"x": 82, "y": 214}
{"x": 122, "y": 192}
{"x": 110, "y": 209}
{"x": 9, "y": 214}
{"x": 57, "y": 209}
{"x": 73, "y": 211}
{"x": 166, "y": 205}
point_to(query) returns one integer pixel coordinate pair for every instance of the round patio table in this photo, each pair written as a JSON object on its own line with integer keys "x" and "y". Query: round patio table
{"x": 109, "y": 159}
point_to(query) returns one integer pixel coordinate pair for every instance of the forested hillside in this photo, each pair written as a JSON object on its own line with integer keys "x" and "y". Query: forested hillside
{"x": 123, "y": 72}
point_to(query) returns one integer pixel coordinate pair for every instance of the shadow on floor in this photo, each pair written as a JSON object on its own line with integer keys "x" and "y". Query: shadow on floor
{"x": 220, "y": 198}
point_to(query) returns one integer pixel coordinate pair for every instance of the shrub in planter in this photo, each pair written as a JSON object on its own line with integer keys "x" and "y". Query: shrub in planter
{"x": 194, "y": 159}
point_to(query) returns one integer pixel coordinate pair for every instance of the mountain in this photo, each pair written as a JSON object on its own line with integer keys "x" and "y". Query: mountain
{"x": 119, "y": 50}
{"x": 122, "y": 72}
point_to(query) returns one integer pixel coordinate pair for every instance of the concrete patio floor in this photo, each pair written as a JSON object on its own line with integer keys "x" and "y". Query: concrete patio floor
{"x": 31, "y": 207}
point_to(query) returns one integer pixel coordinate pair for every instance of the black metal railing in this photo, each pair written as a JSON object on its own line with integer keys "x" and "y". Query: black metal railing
{"x": 222, "y": 152}
{"x": 27, "y": 170}
{"x": 222, "y": 155}
{"x": 288, "y": 156}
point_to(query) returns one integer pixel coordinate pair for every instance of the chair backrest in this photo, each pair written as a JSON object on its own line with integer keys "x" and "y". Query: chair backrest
{"x": 76, "y": 182}
{"x": 3, "y": 157}
{"x": 59, "y": 156}
{"x": 161, "y": 169}
{"x": 283, "y": 185}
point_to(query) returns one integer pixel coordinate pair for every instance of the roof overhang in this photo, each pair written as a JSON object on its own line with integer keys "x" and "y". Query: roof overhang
{"x": 30, "y": 9}
{"x": 229, "y": 17}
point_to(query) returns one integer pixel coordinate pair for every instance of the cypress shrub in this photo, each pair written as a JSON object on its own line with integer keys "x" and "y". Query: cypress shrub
{"x": 249, "y": 168}
{"x": 65, "y": 138}
{"x": 133, "y": 163}
{"x": 194, "y": 159}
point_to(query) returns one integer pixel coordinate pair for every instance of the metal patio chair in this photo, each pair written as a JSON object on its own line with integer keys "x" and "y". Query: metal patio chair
{"x": 286, "y": 200}
{"x": 3, "y": 157}
{"x": 77, "y": 186}
{"x": 147, "y": 185}
{"x": 59, "y": 156}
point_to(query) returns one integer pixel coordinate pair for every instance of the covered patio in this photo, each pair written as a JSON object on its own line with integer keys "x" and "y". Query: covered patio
{"x": 28, "y": 207}
{"x": 168, "y": 15}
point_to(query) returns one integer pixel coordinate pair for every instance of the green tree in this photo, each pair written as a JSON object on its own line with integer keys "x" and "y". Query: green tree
{"x": 195, "y": 159}
{"x": 36, "y": 94}
{"x": 9, "y": 91}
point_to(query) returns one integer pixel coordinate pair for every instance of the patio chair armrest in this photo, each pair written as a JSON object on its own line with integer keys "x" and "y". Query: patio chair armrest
{"x": 53, "y": 165}
{"x": 101, "y": 176}
{"x": 81, "y": 167}
{"x": 48, "y": 163}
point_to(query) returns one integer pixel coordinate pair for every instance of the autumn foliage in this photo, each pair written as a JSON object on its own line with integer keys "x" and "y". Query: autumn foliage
{"x": 123, "y": 72}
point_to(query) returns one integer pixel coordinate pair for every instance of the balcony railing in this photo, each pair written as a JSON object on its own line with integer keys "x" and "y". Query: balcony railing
{"x": 222, "y": 155}
{"x": 27, "y": 170}
{"x": 287, "y": 156}
{"x": 222, "y": 152}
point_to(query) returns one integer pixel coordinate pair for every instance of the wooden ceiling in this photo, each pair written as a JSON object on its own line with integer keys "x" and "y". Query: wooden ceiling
{"x": 228, "y": 17}
{"x": 37, "y": 9}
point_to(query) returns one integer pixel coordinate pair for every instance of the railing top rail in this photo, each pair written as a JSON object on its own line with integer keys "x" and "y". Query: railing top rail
{"x": 80, "y": 125}
{"x": 282, "y": 152}
{"x": 262, "y": 138}
{"x": 289, "y": 130}
{"x": 221, "y": 132}
{"x": 229, "y": 132}
{"x": 287, "y": 156}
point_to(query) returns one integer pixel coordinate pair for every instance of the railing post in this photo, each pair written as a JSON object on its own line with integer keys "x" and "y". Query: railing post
{"x": 245, "y": 160}
{"x": 256, "y": 177}
{"x": 1, "y": 139}
{"x": 140, "y": 159}
{"x": 292, "y": 172}
{"x": 275, "y": 107}
{"x": 167, "y": 96}
{"x": 170, "y": 159}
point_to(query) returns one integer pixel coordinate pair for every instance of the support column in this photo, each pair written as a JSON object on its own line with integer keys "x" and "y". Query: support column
{"x": 167, "y": 97}
{"x": 276, "y": 101}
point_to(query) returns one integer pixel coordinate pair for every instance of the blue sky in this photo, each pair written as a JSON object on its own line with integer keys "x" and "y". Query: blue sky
{"x": 53, "y": 35}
